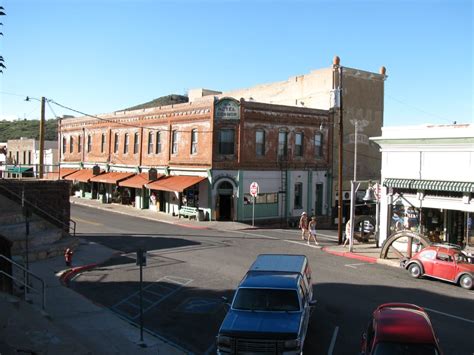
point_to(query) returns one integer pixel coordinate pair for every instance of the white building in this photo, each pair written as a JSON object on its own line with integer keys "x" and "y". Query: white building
{"x": 428, "y": 179}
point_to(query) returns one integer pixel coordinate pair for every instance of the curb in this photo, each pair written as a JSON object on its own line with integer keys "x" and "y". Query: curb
{"x": 68, "y": 274}
{"x": 349, "y": 255}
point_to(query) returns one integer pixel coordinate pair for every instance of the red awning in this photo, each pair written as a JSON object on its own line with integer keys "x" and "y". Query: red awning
{"x": 137, "y": 181}
{"x": 174, "y": 183}
{"x": 83, "y": 175}
{"x": 60, "y": 174}
{"x": 111, "y": 178}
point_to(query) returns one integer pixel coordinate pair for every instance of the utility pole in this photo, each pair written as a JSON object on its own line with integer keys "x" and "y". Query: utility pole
{"x": 341, "y": 136}
{"x": 41, "y": 139}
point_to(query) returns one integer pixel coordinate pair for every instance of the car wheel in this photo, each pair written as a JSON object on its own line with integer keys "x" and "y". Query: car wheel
{"x": 466, "y": 282}
{"x": 414, "y": 270}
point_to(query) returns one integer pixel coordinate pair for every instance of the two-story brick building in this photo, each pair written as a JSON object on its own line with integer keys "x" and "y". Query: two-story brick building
{"x": 204, "y": 154}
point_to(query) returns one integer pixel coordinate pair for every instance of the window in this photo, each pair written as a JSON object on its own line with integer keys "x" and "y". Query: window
{"x": 71, "y": 144}
{"x": 150, "y": 142}
{"x": 261, "y": 198}
{"x": 318, "y": 144}
{"x": 64, "y": 146}
{"x": 158, "y": 142}
{"x": 298, "y": 196}
{"x": 299, "y": 144}
{"x": 24, "y": 157}
{"x": 29, "y": 157}
{"x": 194, "y": 141}
{"x": 260, "y": 142}
{"x": 125, "y": 143}
{"x": 17, "y": 158}
{"x": 282, "y": 144}
{"x": 116, "y": 142}
{"x": 174, "y": 142}
{"x": 135, "y": 143}
{"x": 89, "y": 143}
{"x": 79, "y": 144}
{"x": 102, "y": 143}
{"x": 226, "y": 141}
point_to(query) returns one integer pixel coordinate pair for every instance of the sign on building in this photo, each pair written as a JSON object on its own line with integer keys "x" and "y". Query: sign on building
{"x": 227, "y": 109}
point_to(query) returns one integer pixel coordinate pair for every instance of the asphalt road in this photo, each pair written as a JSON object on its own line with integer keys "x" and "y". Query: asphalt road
{"x": 189, "y": 270}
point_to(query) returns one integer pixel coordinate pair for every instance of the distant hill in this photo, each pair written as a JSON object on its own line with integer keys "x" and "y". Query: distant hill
{"x": 161, "y": 101}
{"x": 28, "y": 129}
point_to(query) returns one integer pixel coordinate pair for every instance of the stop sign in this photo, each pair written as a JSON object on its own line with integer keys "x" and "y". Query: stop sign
{"x": 254, "y": 189}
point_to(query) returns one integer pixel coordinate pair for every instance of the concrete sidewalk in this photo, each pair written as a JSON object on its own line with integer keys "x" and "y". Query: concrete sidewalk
{"x": 71, "y": 324}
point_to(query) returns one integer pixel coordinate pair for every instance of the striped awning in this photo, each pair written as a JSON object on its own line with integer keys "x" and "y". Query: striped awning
{"x": 433, "y": 185}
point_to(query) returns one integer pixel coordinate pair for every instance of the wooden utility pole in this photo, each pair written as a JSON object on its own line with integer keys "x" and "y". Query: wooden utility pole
{"x": 41, "y": 139}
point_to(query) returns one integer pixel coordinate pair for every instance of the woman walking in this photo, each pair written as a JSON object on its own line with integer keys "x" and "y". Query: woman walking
{"x": 312, "y": 231}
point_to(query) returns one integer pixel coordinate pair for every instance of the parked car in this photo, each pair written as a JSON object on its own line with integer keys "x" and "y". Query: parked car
{"x": 400, "y": 328}
{"x": 441, "y": 262}
{"x": 271, "y": 308}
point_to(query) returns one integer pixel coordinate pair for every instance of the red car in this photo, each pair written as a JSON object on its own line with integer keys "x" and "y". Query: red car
{"x": 443, "y": 263}
{"x": 400, "y": 328}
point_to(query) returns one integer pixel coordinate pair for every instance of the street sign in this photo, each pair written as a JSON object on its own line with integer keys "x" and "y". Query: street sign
{"x": 254, "y": 189}
{"x": 141, "y": 257}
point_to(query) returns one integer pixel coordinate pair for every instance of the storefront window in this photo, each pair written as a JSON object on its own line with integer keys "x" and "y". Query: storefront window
{"x": 261, "y": 198}
{"x": 191, "y": 196}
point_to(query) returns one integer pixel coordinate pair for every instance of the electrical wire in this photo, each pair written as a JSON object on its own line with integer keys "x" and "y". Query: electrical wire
{"x": 419, "y": 109}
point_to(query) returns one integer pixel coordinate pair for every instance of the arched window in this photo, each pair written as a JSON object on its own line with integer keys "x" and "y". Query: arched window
{"x": 79, "y": 144}
{"x": 89, "y": 143}
{"x": 116, "y": 142}
{"x": 283, "y": 144}
{"x": 125, "y": 143}
{"x": 135, "y": 143}
{"x": 150, "y": 142}
{"x": 260, "y": 142}
{"x": 158, "y": 142}
{"x": 194, "y": 141}
{"x": 64, "y": 145}
{"x": 71, "y": 144}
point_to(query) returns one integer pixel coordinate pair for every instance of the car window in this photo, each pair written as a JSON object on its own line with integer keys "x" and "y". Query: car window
{"x": 428, "y": 254}
{"x": 460, "y": 258}
{"x": 444, "y": 257}
{"x": 385, "y": 348}
{"x": 255, "y": 299}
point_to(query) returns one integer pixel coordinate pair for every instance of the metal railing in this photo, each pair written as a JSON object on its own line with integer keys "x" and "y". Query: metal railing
{"x": 25, "y": 282}
{"x": 36, "y": 208}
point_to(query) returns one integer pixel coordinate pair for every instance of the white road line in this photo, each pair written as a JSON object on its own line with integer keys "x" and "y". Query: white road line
{"x": 256, "y": 235}
{"x": 333, "y": 341}
{"x": 449, "y": 315}
{"x": 358, "y": 264}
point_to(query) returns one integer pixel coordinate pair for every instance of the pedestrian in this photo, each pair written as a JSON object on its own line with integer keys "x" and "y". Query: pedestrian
{"x": 312, "y": 230}
{"x": 348, "y": 232}
{"x": 68, "y": 256}
{"x": 304, "y": 225}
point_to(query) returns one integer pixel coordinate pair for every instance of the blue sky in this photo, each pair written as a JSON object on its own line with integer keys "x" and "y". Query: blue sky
{"x": 104, "y": 55}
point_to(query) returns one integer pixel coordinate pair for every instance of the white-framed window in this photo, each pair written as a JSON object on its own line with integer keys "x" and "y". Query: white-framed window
{"x": 283, "y": 144}
{"x": 226, "y": 141}
{"x": 158, "y": 142}
{"x": 116, "y": 142}
{"x": 150, "y": 142}
{"x": 194, "y": 141}
{"x": 299, "y": 144}
{"x": 136, "y": 143}
{"x": 174, "y": 142}
{"x": 102, "y": 143}
{"x": 318, "y": 144}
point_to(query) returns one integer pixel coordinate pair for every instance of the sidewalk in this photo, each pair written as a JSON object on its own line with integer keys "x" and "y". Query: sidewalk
{"x": 72, "y": 324}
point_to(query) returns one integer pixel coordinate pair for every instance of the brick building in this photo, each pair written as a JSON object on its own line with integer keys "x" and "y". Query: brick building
{"x": 360, "y": 92}
{"x": 204, "y": 154}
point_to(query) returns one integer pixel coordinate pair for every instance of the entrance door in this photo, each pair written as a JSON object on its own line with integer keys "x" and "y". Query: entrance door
{"x": 225, "y": 201}
{"x": 318, "y": 203}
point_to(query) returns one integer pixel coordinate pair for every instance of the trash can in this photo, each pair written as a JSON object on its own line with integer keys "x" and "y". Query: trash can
{"x": 200, "y": 216}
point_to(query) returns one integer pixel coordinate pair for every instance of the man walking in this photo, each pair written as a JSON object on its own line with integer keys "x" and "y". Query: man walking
{"x": 304, "y": 225}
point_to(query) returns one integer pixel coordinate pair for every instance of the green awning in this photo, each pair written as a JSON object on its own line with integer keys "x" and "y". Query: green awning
{"x": 19, "y": 170}
{"x": 433, "y": 185}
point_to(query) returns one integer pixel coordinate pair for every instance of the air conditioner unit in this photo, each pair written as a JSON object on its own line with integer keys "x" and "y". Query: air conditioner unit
{"x": 346, "y": 196}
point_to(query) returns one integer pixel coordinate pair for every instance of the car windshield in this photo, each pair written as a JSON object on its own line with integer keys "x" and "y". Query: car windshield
{"x": 255, "y": 299}
{"x": 385, "y": 348}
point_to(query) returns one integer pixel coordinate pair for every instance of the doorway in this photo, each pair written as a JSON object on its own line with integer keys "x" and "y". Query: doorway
{"x": 224, "y": 203}
{"x": 318, "y": 203}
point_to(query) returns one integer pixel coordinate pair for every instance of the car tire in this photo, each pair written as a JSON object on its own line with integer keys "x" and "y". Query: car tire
{"x": 414, "y": 270}
{"x": 466, "y": 282}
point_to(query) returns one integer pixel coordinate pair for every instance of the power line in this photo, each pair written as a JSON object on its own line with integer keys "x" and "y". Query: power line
{"x": 419, "y": 109}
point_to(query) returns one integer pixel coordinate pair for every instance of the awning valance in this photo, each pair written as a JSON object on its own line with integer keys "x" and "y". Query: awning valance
{"x": 174, "y": 183}
{"x": 137, "y": 181}
{"x": 56, "y": 175}
{"x": 432, "y": 185}
{"x": 83, "y": 175}
{"x": 19, "y": 169}
{"x": 112, "y": 177}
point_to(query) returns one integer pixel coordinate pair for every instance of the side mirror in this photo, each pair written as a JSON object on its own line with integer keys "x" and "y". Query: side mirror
{"x": 313, "y": 303}
{"x": 224, "y": 299}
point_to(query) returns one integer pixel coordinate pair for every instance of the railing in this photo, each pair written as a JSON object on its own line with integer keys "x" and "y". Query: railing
{"x": 24, "y": 282}
{"x": 36, "y": 208}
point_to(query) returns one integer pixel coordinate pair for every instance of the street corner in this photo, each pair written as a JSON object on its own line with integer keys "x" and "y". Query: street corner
{"x": 66, "y": 275}
{"x": 349, "y": 255}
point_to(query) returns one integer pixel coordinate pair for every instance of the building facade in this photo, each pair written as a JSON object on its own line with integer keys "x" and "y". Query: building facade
{"x": 204, "y": 154}
{"x": 359, "y": 93}
{"x": 428, "y": 179}
{"x": 23, "y": 157}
